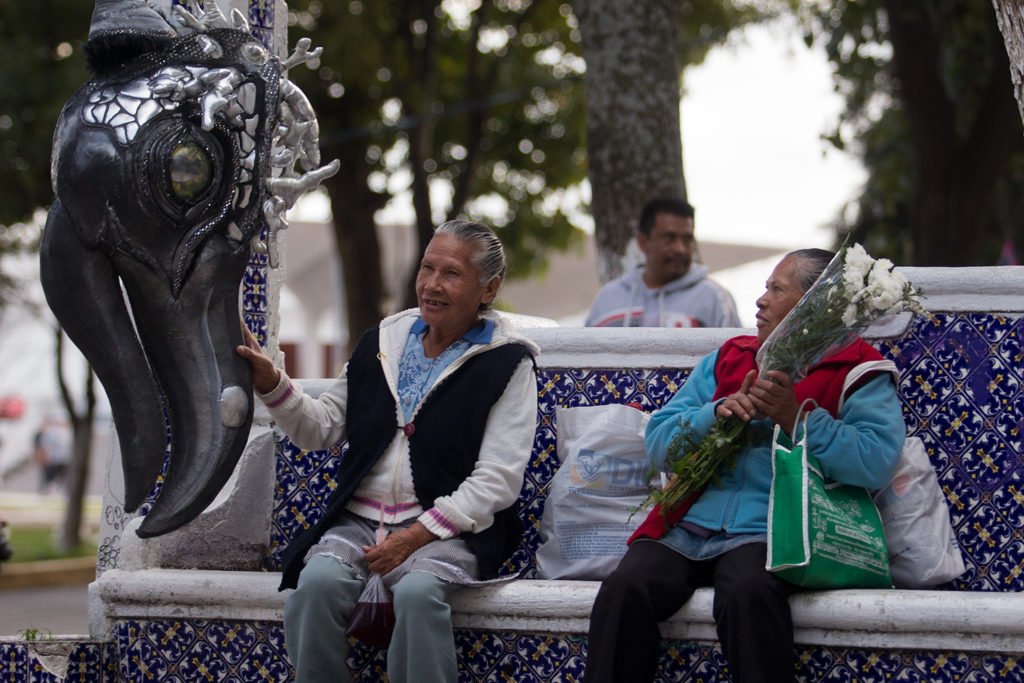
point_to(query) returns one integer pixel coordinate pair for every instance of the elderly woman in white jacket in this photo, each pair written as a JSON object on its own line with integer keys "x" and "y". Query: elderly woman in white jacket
{"x": 439, "y": 408}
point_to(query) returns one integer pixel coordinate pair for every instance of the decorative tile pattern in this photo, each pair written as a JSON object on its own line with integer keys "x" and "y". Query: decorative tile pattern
{"x": 13, "y": 661}
{"x": 254, "y": 651}
{"x": 186, "y": 651}
{"x": 255, "y": 292}
{"x": 254, "y": 286}
{"x": 304, "y": 482}
{"x": 86, "y": 662}
{"x": 265, "y": 36}
{"x": 963, "y": 377}
{"x": 261, "y": 14}
{"x": 258, "y": 325}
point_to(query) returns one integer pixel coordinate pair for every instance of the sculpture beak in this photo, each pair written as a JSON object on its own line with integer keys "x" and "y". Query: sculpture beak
{"x": 190, "y": 341}
{"x": 182, "y": 363}
{"x": 88, "y": 301}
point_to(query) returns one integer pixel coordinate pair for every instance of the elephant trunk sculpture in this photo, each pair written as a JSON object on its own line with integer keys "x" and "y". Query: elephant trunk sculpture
{"x": 168, "y": 166}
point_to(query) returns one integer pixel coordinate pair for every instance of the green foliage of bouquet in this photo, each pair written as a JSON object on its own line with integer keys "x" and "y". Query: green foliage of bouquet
{"x": 852, "y": 293}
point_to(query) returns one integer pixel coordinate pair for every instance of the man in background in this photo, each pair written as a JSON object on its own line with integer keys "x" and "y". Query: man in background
{"x": 668, "y": 289}
{"x": 52, "y": 453}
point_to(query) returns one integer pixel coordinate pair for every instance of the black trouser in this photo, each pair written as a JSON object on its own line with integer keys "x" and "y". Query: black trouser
{"x": 751, "y": 610}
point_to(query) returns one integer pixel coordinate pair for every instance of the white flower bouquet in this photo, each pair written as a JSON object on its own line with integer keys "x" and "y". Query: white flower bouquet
{"x": 852, "y": 293}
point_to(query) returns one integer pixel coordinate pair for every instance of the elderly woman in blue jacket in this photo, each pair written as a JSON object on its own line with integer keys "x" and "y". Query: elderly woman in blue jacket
{"x": 720, "y": 539}
{"x": 439, "y": 407}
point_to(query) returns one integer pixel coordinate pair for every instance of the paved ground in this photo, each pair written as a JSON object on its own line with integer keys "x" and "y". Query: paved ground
{"x": 57, "y": 610}
{"x": 54, "y": 609}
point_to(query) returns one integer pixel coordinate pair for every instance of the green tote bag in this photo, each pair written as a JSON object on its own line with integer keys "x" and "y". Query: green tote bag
{"x": 821, "y": 534}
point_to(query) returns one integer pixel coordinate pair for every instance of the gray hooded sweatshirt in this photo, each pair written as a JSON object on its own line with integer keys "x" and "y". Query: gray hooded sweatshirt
{"x": 693, "y": 300}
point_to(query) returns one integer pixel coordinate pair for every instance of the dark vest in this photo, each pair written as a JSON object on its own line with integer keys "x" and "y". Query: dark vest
{"x": 444, "y": 444}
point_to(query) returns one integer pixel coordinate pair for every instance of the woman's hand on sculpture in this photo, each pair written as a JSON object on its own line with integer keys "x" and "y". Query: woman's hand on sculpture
{"x": 264, "y": 375}
{"x": 396, "y": 548}
{"x": 773, "y": 396}
{"x": 740, "y": 403}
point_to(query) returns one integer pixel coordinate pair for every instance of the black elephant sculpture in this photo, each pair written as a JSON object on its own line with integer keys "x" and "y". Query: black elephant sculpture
{"x": 175, "y": 162}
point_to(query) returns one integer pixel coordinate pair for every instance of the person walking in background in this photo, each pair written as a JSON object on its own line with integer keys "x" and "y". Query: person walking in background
{"x": 668, "y": 289}
{"x": 52, "y": 452}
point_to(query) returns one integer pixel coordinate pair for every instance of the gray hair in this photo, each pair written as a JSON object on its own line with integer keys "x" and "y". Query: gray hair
{"x": 811, "y": 263}
{"x": 488, "y": 254}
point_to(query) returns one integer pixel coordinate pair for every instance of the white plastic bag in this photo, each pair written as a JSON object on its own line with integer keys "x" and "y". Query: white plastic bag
{"x": 922, "y": 547}
{"x": 602, "y": 479}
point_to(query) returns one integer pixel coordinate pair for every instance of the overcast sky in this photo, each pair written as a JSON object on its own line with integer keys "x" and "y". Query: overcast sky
{"x": 756, "y": 167}
{"x": 757, "y": 170}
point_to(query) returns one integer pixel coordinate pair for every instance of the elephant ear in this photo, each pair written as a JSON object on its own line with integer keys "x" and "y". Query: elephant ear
{"x": 84, "y": 293}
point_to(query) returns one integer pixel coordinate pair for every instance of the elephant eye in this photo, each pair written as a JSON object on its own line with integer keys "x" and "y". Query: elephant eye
{"x": 190, "y": 170}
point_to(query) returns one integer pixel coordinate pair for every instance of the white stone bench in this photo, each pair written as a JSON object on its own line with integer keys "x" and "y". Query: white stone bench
{"x": 181, "y": 576}
{"x": 897, "y": 619}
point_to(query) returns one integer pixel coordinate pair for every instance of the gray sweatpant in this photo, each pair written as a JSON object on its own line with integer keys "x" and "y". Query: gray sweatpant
{"x": 316, "y": 615}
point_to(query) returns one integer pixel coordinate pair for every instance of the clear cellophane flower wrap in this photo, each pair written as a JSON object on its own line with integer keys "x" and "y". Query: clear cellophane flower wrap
{"x": 852, "y": 293}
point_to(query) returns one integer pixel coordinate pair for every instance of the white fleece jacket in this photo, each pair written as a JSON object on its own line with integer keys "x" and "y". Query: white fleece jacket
{"x": 387, "y": 491}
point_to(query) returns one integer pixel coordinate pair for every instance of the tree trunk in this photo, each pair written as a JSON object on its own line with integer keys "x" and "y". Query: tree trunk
{"x": 69, "y": 536}
{"x": 420, "y": 141}
{"x": 633, "y": 133}
{"x": 1010, "y": 18}
{"x": 423, "y": 56}
{"x": 353, "y": 205}
{"x": 474, "y": 90}
{"x": 955, "y": 173}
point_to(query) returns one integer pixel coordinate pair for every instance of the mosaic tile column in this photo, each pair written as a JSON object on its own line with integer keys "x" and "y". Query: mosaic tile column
{"x": 261, "y": 286}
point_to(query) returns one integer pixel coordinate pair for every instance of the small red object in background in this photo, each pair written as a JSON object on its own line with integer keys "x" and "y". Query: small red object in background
{"x": 11, "y": 407}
